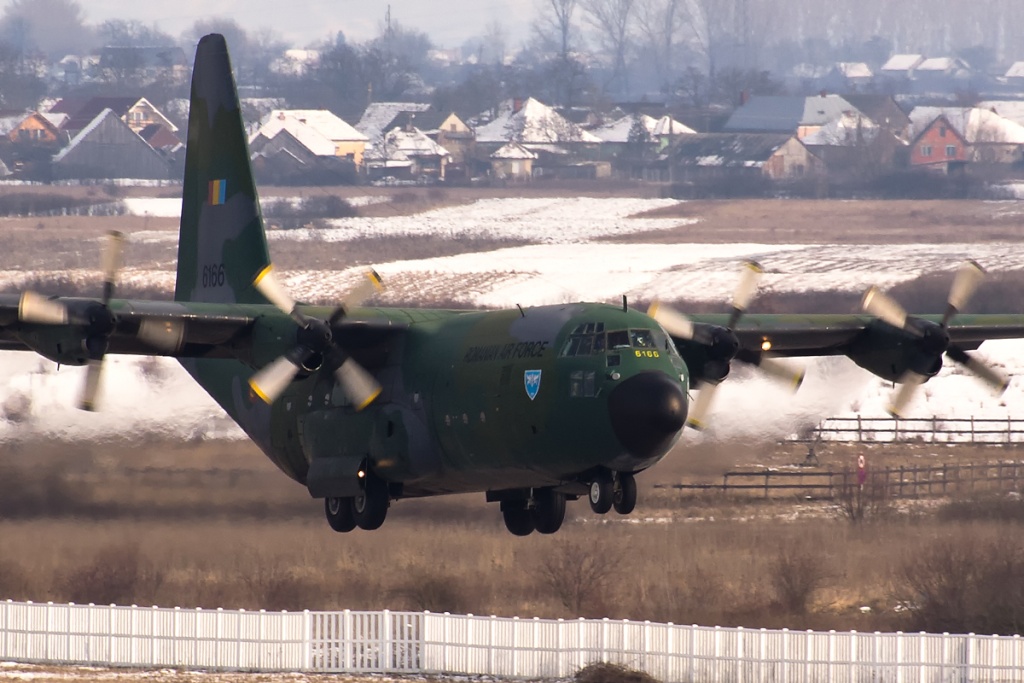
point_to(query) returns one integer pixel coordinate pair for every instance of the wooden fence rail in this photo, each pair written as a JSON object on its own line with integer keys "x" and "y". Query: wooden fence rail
{"x": 973, "y": 430}
{"x": 896, "y": 482}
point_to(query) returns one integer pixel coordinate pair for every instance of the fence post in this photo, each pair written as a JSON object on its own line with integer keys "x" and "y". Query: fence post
{"x": 972, "y": 429}
{"x": 767, "y": 479}
{"x": 860, "y": 432}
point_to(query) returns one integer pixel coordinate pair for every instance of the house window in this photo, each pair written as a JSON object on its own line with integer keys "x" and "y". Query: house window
{"x": 452, "y": 126}
{"x": 942, "y": 131}
{"x": 950, "y": 151}
{"x": 926, "y": 150}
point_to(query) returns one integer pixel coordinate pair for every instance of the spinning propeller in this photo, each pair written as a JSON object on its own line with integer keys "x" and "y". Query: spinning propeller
{"x": 315, "y": 345}
{"x": 931, "y": 339}
{"x": 96, "y": 318}
{"x": 722, "y": 344}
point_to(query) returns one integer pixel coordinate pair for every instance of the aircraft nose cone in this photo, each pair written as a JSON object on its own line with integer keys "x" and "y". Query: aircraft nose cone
{"x": 647, "y": 411}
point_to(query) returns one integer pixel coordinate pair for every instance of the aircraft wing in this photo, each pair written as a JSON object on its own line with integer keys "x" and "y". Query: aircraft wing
{"x": 159, "y": 328}
{"x": 838, "y": 334}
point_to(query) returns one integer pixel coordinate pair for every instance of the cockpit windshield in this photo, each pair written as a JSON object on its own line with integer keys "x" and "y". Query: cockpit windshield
{"x": 590, "y": 339}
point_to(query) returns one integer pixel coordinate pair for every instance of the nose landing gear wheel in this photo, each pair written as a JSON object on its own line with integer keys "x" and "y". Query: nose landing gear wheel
{"x": 370, "y": 507}
{"x": 339, "y": 514}
{"x": 625, "y": 494}
{"x": 548, "y": 510}
{"x": 602, "y": 494}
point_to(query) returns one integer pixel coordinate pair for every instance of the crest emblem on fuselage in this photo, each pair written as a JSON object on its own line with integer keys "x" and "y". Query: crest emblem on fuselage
{"x": 531, "y": 378}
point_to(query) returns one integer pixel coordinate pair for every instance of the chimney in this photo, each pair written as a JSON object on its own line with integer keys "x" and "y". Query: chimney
{"x": 744, "y": 97}
{"x": 517, "y": 104}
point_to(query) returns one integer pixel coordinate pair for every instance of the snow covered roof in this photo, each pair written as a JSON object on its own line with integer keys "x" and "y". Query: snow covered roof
{"x": 411, "y": 143}
{"x": 848, "y": 130}
{"x": 975, "y": 125}
{"x": 940, "y": 64}
{"x": 513, "y": 150}
{"x": 1016, "y": 70}
{"x": 380, "y": 114}
{"x": 56, "y": 120}
{"x": 9, "y": 123}
{"x": 902, "y": 62}
{"x": 534, "y": 123}
{"x": 618, "y": 130}
{"x": 729, "y": 150}
{"x": 321, "y": 121}
{"x": 854, "y": 69}
{"x": 1008, "y": 109}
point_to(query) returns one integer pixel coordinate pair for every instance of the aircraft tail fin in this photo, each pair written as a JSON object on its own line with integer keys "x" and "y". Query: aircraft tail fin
{"x": 222, "y": 245}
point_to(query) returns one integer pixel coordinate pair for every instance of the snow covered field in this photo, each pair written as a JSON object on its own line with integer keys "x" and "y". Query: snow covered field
{"x": 566, "y": 262}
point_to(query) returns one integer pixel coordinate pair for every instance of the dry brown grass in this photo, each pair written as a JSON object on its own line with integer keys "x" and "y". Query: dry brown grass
{"x": 215, "y": 525}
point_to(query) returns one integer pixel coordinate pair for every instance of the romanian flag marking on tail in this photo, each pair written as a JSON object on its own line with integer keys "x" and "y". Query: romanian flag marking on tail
{"x": 218, "y": 191}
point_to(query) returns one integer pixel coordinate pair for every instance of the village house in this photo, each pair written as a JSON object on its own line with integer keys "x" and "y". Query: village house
{"x": 38, "y": 128}
{"x": 318, "y": 130}
{"x": 137, "y": 112}
{"x": 989, "y": 137}
{"x": 939, "y": 147}
{"x": 900, "y": 67}
{"x": 108, "y": 148}
{"x": 801, "y": 116}
{"x": 512, "y": 162}
{"x": 742, "y": 156}
{"x": 407, "y": 155}
{"x": 446, "y": 129}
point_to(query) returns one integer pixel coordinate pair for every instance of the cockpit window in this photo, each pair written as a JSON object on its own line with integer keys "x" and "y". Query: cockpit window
{"x": 585, "y": 340}
{"x": 641, "y": 339}
{"x": 618, "y": 339}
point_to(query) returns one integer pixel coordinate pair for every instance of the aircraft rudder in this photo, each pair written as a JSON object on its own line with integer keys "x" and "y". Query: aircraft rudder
{"x": 222, "y": 245}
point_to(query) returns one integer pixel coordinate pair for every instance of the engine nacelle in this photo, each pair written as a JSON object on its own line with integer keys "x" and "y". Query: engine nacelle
{"x": 708, "y": 359}
{"x": 59, "y": 343}
{"x": 889, "y": 352}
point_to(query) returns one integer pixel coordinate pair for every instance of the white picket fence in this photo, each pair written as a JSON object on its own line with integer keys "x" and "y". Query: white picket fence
{"x": 426, "y": 643}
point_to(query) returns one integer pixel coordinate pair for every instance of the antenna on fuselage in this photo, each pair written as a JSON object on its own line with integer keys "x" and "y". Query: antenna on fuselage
{"x": 521, "y": 311}
{"x": 625, "y": 305}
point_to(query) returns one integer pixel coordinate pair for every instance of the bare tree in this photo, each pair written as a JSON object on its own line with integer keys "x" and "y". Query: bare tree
{"x": 613, "y": 22}
{"x": 555, "y": 26}
{"x": 659, "y": 25}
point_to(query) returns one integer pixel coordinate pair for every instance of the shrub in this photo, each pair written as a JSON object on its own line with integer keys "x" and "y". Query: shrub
{"x": 118, "y": 574}
{"x": 962, "y": 584}
{"x": 579, "y": 575}
{"x": 797, "y": 572}
{"x": 605, "y": 672}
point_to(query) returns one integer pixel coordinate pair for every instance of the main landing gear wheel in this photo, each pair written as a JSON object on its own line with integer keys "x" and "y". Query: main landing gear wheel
{"x": 625, "y": 494}
{"x": 518, "y": 520}
{"x": 339, "y": 514}
{"x": 602, "y": 494}
{"x": 548, "y": 510}
{"x": 370, "y": 507}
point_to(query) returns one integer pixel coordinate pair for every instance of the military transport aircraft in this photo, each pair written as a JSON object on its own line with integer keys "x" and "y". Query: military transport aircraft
{"x": 363, "y": 406}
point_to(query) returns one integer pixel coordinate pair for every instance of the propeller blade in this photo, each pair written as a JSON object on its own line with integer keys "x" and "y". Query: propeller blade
{"x": 163, "y": 335}
{"x": 697, "y": 415}
{"x": 270, "y": 287}
{"x": 93, "y": 372}
{"x": 967, "y": 279}
{"x": 674, "y": 322}
{"x": 358, "y": 384}
{"x": 908, "y": 387}
{"x": 36, "y": 308}
{"x": 792, "y": 375}
{"x": 113, "y": 256}
{"x": 368, "y": 285}
{"x": 878, "y": 303}
{"x": 274, "y": 378}
{"x": 746, "y": 288}
{"x": 989, "y": 376}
